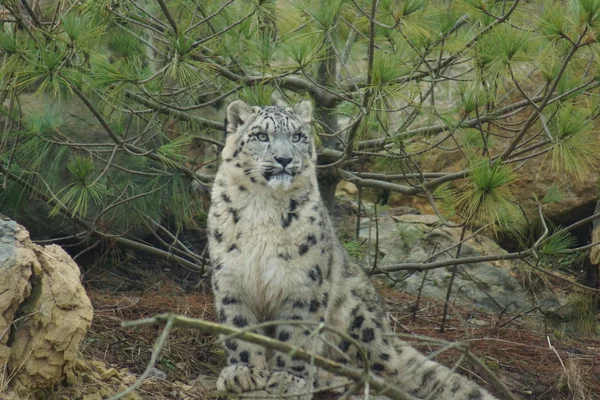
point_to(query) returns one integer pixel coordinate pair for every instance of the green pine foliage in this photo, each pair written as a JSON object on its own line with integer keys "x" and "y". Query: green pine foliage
{"x": 486, "y": 198}
{"x": 483, "y": 85}
{"x": 558, "y": 240}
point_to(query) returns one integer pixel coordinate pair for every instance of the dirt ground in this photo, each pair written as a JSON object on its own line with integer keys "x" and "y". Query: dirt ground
{"x": 536, "y": 362}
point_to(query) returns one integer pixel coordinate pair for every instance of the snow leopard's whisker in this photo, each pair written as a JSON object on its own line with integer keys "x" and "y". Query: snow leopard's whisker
{"x": 252, "y": 170}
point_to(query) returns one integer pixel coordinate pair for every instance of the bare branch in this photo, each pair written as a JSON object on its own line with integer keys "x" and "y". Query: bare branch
{"x": 209, "y": 17}
{"x": 31, "y": 13}
{"x": 155, "y": 352}
{"x": 170, "y": 18}
{"x": 545, "y": 99}
{"x": 322, "y": 362}
{"x": 203, "y": 122}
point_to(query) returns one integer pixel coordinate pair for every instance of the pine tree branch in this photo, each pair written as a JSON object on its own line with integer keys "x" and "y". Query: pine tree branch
{"x": 474, "y": 122}
{"x": 211, "y": 102}
{"x": 419, "y": 76}
{"x": 31, "y": 13}
{"x": 93, "y": 230}
{"x": 398, "y": 177}
{"x": 149, "y": 15}
{"x": 372, "y": 183}
{"x": 222, "y": 31}
{"x": 409, "y": 190}
{"x": 291, "y": 82}
{"x": 170, "y": 18}
{"x": 209, "y": 17}
{"x": 134, "y": 149}
{"x": 545, "y": 99}
{"x": 183, "y": 116}
{"x": 417, "y": 266}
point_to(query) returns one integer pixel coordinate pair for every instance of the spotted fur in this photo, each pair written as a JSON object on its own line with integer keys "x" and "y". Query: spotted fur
{"x": 275, "y": 256}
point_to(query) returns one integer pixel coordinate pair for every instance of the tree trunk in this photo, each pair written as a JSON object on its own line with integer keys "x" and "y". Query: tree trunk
{"x": 328, "y": 118}
{"x": 592, "y": 264}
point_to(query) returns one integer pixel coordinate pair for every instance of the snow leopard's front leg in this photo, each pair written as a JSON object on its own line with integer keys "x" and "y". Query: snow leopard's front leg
{"x": 246, "y": 363}
{"x": 290, "y": 375}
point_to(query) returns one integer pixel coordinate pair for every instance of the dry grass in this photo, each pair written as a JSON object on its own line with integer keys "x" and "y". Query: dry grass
{"x": 520, "y": 356}
{"x": 115, "y": 357}
{"x": 574, "y": 382}
{"x": 186, "y": 354}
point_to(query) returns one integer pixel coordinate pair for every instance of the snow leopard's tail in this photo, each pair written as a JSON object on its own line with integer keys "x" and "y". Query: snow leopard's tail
{"x": 427, "y": 379}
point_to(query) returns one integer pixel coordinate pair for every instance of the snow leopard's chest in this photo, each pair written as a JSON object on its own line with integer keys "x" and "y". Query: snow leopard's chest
{"x": 268, "y": 250}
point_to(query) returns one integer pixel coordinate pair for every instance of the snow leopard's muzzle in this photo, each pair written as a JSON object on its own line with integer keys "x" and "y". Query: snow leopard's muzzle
{"x": 283, "y": 170}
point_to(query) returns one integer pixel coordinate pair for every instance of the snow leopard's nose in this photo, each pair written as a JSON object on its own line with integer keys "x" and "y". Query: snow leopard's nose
{"x": 284, "y": 161}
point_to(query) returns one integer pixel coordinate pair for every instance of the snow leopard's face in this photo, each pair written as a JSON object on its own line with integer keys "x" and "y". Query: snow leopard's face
{"x": 270, "y": 144}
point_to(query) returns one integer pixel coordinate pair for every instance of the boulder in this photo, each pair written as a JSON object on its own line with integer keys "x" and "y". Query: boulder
{"x": 414, "y": 238}
{"x": 44, "y": 313}
{"x": 578, "y": 197}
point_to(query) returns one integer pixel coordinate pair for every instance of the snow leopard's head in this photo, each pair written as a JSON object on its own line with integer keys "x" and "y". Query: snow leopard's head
{"x": 270, "y": 144}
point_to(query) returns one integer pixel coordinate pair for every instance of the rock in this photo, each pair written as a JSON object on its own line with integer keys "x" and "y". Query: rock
{"x": 414, "y": 238}
{"x": 346, "y": 188}
{"x": 44, "y": 312}
{"x": 578, "y": 197}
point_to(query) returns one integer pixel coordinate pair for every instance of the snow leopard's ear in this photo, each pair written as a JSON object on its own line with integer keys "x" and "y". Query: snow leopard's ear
{"x": 238, "y": 113}
{"x": 303, "y": 112}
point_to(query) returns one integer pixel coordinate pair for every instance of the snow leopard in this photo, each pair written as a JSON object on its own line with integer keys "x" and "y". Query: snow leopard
{"x": 275, "y": 257}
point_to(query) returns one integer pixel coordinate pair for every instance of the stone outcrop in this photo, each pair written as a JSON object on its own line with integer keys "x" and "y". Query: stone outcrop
{"x": 44, "y": 313}
{"x": 414, "y": 238}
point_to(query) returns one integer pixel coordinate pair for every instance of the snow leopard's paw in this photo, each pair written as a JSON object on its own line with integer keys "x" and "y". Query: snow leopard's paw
{"x": 241, "y": 378}
{"x": 282, "y": 382}
{"x": 340, "y": 384}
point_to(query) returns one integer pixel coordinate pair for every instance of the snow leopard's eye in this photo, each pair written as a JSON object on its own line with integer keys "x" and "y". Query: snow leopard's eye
{"x": 296, "y": 138}
{"x": 263, "y": 137}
